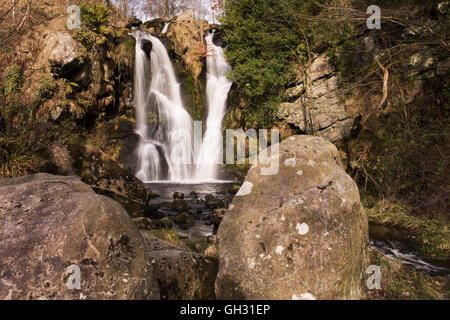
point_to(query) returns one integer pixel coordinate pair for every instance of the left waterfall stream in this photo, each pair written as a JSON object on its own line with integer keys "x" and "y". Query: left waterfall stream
{"x": 165, "y": 151}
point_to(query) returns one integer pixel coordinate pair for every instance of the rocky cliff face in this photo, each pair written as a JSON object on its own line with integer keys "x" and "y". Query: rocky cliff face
{"x": 318, "y": 107}
{"x": 318, "y": 103}
{"x": 78, "y": 110}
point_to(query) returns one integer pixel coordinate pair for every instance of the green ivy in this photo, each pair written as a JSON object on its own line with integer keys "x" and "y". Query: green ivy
{"x": 95, "y": 25}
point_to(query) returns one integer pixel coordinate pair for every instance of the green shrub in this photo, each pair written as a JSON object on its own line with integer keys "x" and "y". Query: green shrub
{"x": 95, "y": 17}
{"x": 95, "y": 25}
{"x": 267, "y": 39}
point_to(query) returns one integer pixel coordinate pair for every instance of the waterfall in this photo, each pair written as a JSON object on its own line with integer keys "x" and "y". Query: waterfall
{"x": 165, "y": 150}
{"x": 217, "y": 88}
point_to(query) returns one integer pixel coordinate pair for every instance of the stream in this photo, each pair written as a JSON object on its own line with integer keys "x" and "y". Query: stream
{"x": 391, "y": 243}
{"x": 194, "y": 195}
{"x": 395, "y": 244}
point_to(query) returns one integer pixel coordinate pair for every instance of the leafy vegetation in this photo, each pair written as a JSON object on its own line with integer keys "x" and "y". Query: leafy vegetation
{"x": 46, "y": 90}
{"x": 95, "y": 25}
{"x": 399, "y": 155}
{"x": 169, "y": 235}
{"x": 269, "y": 40}
{"x": 261, "y": 41}
{"x": 13, "y": 160}
{"x": 12, "y": 81}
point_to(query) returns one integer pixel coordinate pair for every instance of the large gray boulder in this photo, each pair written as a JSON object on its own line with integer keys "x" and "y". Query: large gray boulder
{"x": 48, "y": 223}
{"x": 181, "y": 273}
{"x": 300, "y": 233}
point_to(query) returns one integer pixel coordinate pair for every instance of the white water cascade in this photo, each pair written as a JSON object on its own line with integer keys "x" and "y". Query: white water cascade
{"x": 165, "y": 151}
{"x": 217, "y": 88}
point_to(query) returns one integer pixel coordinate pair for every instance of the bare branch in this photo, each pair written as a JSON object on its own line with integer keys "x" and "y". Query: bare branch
{"x": 385, "y": 83}
{"x": 19, "y": 27}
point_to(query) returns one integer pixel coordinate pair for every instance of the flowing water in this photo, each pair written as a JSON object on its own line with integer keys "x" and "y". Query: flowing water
{"x": 166, "y": 147}
{"x": 195, "y": 194}
{"x": 217, "y": 88}
{"x": 393, "y": 249}
{"x": 165, "y": 151}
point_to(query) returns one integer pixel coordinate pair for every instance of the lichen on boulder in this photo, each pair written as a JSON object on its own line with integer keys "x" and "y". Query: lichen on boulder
{"x": 297, "y": 233}
{"x": 49, "y": 223}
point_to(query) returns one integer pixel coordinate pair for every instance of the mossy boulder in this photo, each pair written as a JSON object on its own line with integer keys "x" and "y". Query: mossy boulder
{"x": 163, "y": 223}
{"x": 144, "y": 223}
{"x": 178, "y": 195}
{"x": 213, "y": 202}
{"x": 155, "y": 26}
{"x": 179, "y": 205}
{"x": 184, "y": 220}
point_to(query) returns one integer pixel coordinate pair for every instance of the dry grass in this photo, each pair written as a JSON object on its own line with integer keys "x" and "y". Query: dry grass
{"x": 399, "y": 282}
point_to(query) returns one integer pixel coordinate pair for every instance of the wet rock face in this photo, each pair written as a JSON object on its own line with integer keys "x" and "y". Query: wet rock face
{"x": 218, "y": 38}
{"x": 299, "y": 233}
{"x": 48, "y": 223}
{"x": 181, "y": 274}
{"x": 133, "y": 23}
{"x": 147, "y": 46}
{"x": 155, "y": 26}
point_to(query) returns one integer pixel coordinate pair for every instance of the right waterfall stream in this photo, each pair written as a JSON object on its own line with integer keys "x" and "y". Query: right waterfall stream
{"x": 217, "y": 88}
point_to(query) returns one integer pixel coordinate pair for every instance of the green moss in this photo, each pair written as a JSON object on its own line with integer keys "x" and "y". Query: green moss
{"x": 125, "y": 47}
{"x": 169, "y": 235}
{"x": 194, "y": 94}
{"x": 46, "y": 90}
